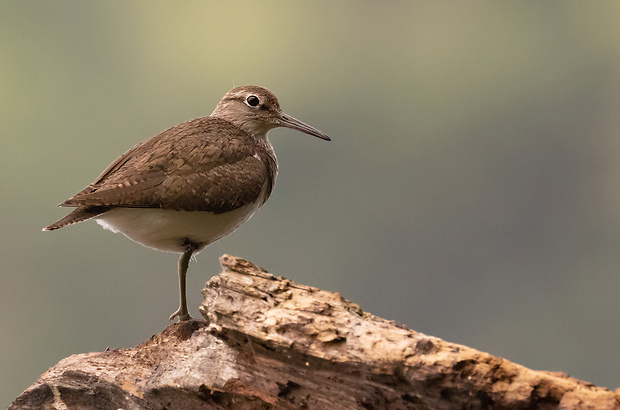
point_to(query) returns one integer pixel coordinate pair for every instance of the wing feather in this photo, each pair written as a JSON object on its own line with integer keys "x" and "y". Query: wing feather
{"x": 189, "y": 167}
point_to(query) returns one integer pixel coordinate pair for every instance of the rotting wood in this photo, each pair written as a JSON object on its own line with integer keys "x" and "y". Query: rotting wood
{"x": 270, "y": 343}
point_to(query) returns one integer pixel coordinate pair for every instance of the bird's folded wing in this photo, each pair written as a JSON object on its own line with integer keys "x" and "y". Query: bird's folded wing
{"x": 187, "y": 167}
{"x": 220, "y": 189}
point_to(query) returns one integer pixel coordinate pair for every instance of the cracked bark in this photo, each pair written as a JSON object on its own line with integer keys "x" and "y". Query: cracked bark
{"x": 267, "y": 342}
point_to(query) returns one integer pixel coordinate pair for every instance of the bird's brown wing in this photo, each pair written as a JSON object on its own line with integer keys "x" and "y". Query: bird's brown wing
{"x": 201, "y": 165}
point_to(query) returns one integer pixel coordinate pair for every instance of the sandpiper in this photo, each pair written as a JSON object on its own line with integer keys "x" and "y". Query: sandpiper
{"x": 192, "y": 184}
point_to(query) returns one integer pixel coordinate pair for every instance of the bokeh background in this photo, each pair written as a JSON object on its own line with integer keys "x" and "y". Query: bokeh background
{"x": 471, "y": 190}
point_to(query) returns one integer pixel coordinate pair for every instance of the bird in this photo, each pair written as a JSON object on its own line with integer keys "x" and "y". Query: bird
{"x": 193, "y": 183}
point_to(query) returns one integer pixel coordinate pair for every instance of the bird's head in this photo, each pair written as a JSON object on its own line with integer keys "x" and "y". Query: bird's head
{"x": 256, "y": 111}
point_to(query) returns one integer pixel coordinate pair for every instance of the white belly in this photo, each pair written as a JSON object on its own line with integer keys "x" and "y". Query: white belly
{"x": 166, "y": 230}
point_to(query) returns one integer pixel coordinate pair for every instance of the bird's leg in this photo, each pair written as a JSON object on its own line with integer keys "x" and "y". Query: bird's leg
{"x": 182, "y": 312}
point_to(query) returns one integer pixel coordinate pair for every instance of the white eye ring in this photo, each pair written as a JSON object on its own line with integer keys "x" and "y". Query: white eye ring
{"x": 252, "y": 101}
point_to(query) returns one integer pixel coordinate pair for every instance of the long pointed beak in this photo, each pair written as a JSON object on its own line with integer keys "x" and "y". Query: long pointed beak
{"x": 292, "y": 123}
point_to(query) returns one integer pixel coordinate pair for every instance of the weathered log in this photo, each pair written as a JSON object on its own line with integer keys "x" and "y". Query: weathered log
{"x": 270, "y": 343}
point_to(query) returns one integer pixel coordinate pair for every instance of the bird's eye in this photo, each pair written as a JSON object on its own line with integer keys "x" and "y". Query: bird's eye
{"x": 252, "y": 101}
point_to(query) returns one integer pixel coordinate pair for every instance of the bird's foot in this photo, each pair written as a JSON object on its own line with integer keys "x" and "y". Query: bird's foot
{"x": 181, "y": 314}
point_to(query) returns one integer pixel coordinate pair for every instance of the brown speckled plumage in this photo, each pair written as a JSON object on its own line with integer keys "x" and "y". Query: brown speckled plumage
{"x": 206, "y": 164}
{"x": 193, "y": 183}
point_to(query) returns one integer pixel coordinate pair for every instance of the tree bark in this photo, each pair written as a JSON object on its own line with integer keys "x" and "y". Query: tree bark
{"x": 267, "y": 342}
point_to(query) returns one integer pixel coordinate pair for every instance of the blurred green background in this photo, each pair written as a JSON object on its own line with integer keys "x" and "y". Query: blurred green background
{"x": 471, "y": 190}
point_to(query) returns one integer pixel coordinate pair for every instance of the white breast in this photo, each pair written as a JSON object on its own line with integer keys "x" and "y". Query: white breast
{"x": 165, "y": 229}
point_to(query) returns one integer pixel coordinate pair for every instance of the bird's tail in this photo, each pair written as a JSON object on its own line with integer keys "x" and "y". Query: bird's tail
{"x": 78, "y": 215}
